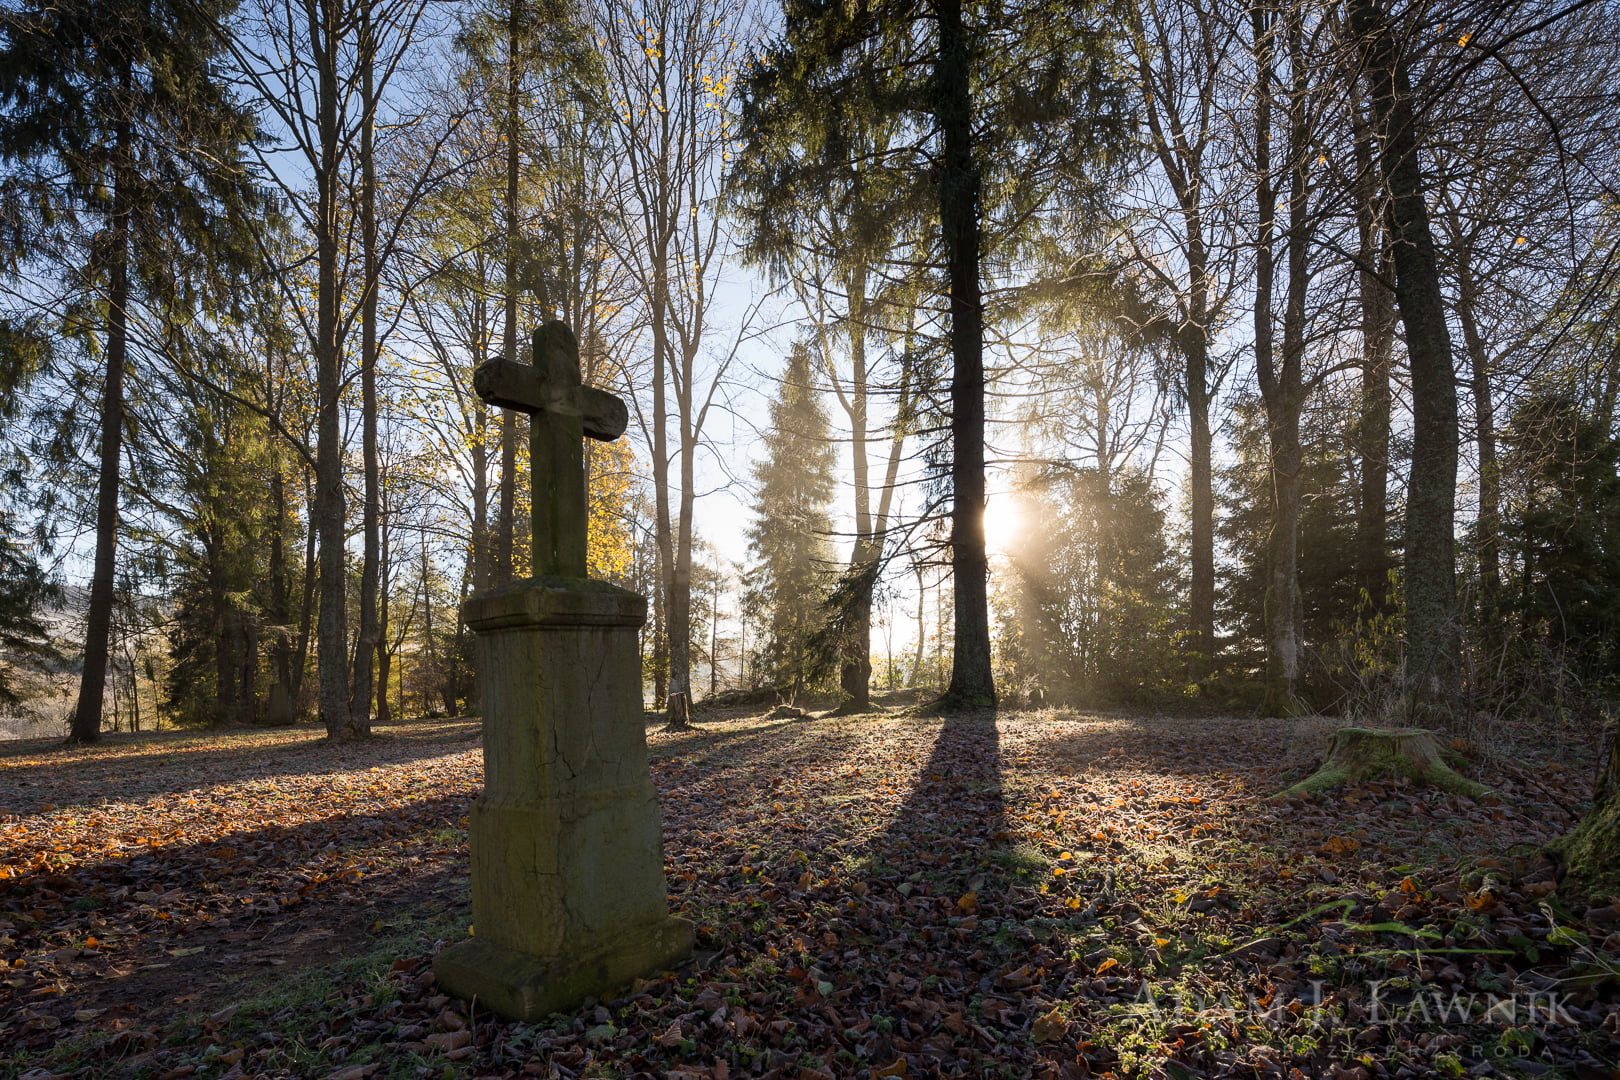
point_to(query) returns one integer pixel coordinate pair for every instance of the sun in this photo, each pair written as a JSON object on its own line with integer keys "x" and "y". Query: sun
{"x": 1003, "y": 523}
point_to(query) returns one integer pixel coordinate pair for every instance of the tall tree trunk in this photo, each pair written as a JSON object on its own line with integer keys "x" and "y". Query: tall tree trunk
{"x": 306, "y": 612}
{"x": 1201, "y": 511}
{"x": 679, "y": 611}
{"x": 86, "y": 725}
{"x": 225, "y": 640}
{"x": 385, "y": 656}
{"x": 1280, "y": 385}
{"x": 248, "y": 668}
{"x": 1180, "y": 154}
{"x": 1489, "y": 524}
{"x": 369, "y": 638}
{"x": 855, "y": 670}
{"x": 332, "y": 631}
{"x": 506, "y": 520}
{"x": 280, "y": 598}
{"x": 663, "y": 532}
{"x": 921, "y": 655}
{"x": 1430, "y": 577}
{"x": 1376, "y": 262}
{"x": 971, "y": 680}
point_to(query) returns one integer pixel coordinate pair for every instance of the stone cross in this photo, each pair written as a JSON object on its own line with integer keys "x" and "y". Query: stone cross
{"x": 563, "y": 411}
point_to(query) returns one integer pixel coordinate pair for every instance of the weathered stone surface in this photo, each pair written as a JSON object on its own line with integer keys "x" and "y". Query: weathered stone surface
{"x": 525, "y": 987}
{"x": 568, "y": 893}
{"x": 568, "y": 890}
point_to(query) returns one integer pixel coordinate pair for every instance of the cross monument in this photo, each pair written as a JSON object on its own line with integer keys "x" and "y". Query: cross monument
{"x": 568, "y": 893}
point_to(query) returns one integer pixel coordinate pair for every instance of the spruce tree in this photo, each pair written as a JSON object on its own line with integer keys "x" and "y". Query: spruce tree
{"x": 1014, "y": 109}
{"x": 789, "y": 541}
{"x": 121, "y": 145}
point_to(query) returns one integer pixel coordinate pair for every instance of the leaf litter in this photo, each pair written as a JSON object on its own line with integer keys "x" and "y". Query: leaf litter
{"x": 1042, "y": 894}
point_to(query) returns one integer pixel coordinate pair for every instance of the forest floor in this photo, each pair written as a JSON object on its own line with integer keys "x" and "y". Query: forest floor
{"x": 1045, "y": 893}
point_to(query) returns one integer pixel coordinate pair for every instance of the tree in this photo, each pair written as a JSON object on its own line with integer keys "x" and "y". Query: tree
{"x": 832, "y": 207}
{"x": 322, "y": 72}
{"x": 120, "y": 130}
{"x": 1430, "y": 579}
{"x": 788, "y": 542}
{"x": 671, "y": 70}
{"x": 1093, "y": 586}
{"x": 1181, "y": 51}
{"x": 1014, "y": 110}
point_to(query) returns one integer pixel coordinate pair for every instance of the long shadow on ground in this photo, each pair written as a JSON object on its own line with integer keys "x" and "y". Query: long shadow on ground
{"x": 173, "y": 762}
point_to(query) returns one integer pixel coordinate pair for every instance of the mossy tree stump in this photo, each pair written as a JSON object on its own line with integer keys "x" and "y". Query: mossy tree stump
{"x": 1356, "y": 753}
{"x": 1591, "y": 853}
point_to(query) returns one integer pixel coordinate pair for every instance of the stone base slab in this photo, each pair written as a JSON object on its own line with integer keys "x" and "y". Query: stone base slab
{"x": 523, "y": 987}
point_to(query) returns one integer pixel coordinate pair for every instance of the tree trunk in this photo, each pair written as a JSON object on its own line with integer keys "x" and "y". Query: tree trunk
{"x": 1430, "y": 575}
{"x": 280, "y": 590}
{"x": 306, "y": 613}
{"x": 506, "y": 521}
{"x": 248, "y": 668}
{"x": 480, "y": 556}
{"x": 855, "y": 670}
{"x": 369, "y": 637}
{"x": 226, "y": 633}
{"x": 1377, "y": 270}
{"x": 86, "y": 725}
{"x": 1280, "y": 386}
{"x": 1356, "y": 754}
{"x": 332, "y": 631}
{"x": 1489, "y": 524}
{"x": 972, "y": 683}
{"x": 921, "y": 656}
{"x": 385, "y": 655}
{"x": 680, "y": 585}
{"x": 665, "y": 680}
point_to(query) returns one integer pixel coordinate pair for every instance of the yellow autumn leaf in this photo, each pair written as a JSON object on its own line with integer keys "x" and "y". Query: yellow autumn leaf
{"x": 1106, "y": 964}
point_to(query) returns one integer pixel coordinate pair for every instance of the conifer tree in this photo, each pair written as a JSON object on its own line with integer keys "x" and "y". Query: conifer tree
{"x": 122, "y": 144}
{"x": 789, "y": 539}
{"x": 1013, "y": 108}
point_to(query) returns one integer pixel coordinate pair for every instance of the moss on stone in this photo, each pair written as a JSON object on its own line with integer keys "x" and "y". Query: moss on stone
{"x": 1356, "y": 753}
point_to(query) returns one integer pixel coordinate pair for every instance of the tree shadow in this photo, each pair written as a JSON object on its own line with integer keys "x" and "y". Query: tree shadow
{"x": 161, "y": 911}
{"x": 171, "y": 762}
{"x": 955, "y": 816}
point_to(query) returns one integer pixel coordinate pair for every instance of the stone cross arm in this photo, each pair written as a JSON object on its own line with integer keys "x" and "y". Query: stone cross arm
{"x": 564, "y": 412}
{"x": 552, "y": 385}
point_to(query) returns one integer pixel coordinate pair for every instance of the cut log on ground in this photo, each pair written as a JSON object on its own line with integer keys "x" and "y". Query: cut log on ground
{"x": 1356, "y": 753}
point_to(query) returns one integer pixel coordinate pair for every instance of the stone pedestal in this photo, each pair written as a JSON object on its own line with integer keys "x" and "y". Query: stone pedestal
{"x": 568, "y": 893}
